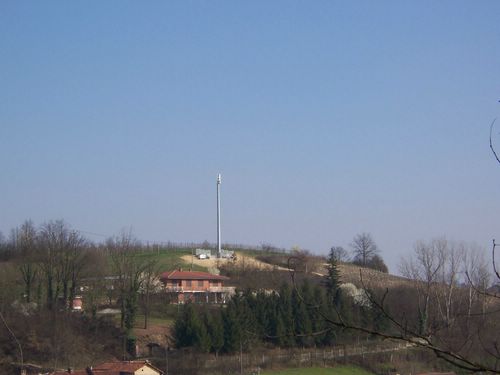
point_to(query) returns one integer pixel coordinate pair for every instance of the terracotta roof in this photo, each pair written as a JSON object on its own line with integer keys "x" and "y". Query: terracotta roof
{"x": 120, "y": 366}
{"x": 190, "y": 275}
{"x": 112, "y": 368}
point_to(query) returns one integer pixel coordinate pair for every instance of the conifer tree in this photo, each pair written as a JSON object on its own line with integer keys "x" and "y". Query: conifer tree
{"x": 317, "y": 315}
{"x": 232, "y": 328}
{"x": 189, "y": 330}
{"x": 215, "y": 329}
{"x": 332, "y": 281}
{"x": 302, "y": 324}
{"x": 285, "y": 316}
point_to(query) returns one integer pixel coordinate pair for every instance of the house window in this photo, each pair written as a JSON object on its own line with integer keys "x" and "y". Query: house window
{"x": 188, "y": 282}
{"x": 200, "y": 282}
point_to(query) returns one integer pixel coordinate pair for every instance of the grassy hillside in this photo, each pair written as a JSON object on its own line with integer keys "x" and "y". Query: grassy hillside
{"x": 272, "y": 267}
{"x": 170, "y": 258}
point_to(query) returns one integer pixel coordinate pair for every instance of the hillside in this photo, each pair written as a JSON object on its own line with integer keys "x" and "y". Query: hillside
{"x": 350, "y": 273}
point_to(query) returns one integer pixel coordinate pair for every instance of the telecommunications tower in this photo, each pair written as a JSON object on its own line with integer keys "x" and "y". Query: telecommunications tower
{"x": 218, "y": 217}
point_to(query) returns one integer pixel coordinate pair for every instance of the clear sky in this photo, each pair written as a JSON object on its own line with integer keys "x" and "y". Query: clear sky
{"x": 325, "y": 118}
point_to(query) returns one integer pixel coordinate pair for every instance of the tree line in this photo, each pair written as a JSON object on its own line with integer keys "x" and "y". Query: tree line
{"x": 293, "y": 316}
{"x": 47, "y": 266}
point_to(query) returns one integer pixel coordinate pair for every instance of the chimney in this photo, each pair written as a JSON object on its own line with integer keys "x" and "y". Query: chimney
{"x": 89, "y": 371}
{"x": 70, "y": 370}
{"x": 23, "y": 371}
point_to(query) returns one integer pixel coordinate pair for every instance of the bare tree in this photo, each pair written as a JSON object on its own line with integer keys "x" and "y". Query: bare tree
{"x": 458, "y": 317}
{"x": 339, "y": 254}
{"x": 150, "y": 284}
{"x": 475, "y": 269}
{"x": 128, "y": 268}
{"x": 451, "y": 256}
{"x": 61, "y": 259}
{"x": 363, "y": 248}
{"x": 457, "y": 328}
{"x": 423, "y": 267}
{"x": 25, "y": 242}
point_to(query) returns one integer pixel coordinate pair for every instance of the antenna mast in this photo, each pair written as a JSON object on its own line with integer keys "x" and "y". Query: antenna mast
{"x": 218, "y": 217}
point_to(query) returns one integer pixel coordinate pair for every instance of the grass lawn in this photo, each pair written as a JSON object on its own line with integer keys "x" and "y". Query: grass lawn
{"x": 339, "y": 370}
{"x": 169, "y": 259}
{"x": 164, "y": 322}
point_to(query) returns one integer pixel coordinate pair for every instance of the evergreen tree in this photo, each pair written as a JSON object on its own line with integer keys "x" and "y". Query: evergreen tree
{"x": 190, "y": 331}
{"x": 232, "y": 328}
{"x": 263, "y": 311}
{"x": 332, "y": 281}
{"x": 130, "y": 311}
{"x": 342, "y": 309}
{"x": 271, "y": 333}
{"x": 215, "y": 328}
{"x": 286, "y": 317}
{"x": 180, "y": 326}
{"x": 302, "y": 324}
{"x": 317, "y": 315}
{"x": 281, "y": 333}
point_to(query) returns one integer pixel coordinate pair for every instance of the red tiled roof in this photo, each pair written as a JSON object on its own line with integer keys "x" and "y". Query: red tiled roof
{"x": 112, "y": 368}
{"x": 120, "y": 366}
{"x": 190, "y": 275}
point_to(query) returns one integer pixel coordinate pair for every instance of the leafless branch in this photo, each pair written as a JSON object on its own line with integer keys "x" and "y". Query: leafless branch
{"x": 15, "y": 339}
{"x": 491, "y": 143}
{"x": 493, "y": 255}
{"x": 482, "y": 292}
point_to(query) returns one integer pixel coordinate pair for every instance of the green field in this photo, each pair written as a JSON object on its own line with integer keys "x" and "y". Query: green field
{"x": 339, "y": 370}
{"x": 169, "y": 259}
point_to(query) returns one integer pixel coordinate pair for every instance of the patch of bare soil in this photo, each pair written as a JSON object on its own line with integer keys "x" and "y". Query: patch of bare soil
{"x": 351, "y": 273}
{"x": 241, "y": 260}
{"x": 154, "y": 334}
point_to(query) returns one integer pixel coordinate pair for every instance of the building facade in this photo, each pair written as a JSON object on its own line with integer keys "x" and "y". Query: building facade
{"x": 194, "y": 286}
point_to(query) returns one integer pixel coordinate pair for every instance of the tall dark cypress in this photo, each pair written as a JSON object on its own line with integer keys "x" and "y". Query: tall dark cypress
{"x": 286, "y": 316}
{"x": 302, "y": 323}
{"x": 332, "y": 280}
{"x": 215, "y": 329}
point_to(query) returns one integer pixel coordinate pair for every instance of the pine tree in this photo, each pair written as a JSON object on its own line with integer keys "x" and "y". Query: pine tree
{"x": 232, "y": 328}
{"x": 332, "y": 281}
{"x": 190, "y": 331}
{"x": 302, "y": 324}
{"x": 285, "y": 316}
{"x": 317, "y": 315}
{"x": 272, "y": 318}
{"x": 215, "y": 328}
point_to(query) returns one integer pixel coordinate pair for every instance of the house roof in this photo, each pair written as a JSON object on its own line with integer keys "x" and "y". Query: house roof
{"x": 112, "y": 368}
{"x": 190, "y": 275}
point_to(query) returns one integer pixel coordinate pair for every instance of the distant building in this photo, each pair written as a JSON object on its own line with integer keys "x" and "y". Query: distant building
{"x": 116, "y": 368}
{"x": 203, "y": 253}
{"x": 77, "y": 303}
{"x": 192, "y": 286}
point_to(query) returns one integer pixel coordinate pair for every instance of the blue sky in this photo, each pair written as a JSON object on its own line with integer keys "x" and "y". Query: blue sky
{"x": 326, "y": 119}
